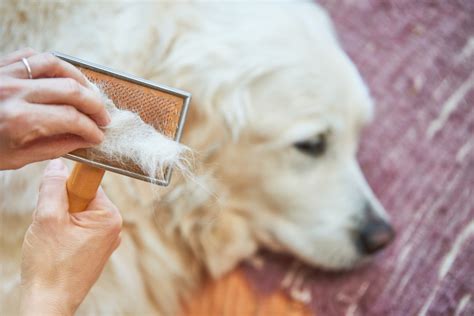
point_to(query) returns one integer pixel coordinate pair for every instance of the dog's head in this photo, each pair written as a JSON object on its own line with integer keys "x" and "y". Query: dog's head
{"x": 293, "y": 172}
{"x": 280, "y": 139}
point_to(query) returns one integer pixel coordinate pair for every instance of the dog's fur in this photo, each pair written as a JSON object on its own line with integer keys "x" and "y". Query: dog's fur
{"x": 263, "y": 77}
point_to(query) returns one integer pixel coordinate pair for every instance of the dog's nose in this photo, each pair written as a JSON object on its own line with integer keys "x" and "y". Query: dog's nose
{"x": 375, "y": 235}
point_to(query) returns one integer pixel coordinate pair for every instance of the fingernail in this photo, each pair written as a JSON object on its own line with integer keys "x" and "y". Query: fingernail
{"x": 55, "y": 164}
{"x": 103, "y": 121}
{"x": 100, "y": 139}
{"x": 107, "y": 119}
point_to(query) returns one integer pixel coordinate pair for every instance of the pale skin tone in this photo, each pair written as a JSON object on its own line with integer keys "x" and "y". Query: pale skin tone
{"x": 64, "y": 254}
{"x": 49, "y": 116}
{"x": 43, "y": 118}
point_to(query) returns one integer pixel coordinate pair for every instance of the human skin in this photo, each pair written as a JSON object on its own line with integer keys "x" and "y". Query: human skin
{"x": 64, "y": 254}
{"x": 41, "y": 118}
{"x": 48, "y": 116}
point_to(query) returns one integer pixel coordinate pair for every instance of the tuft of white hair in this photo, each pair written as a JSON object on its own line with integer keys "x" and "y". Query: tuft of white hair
{"x": 129, "y": 139}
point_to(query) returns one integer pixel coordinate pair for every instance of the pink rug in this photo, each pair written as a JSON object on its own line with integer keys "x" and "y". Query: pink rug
{"x": 418, "y": 59}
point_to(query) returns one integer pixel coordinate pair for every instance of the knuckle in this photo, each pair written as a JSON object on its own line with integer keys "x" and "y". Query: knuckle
{"x": 18, "y": 142}
{"x": 16, "y": 123}
{"x": 47, "y": 218}
{"x": 37, "y": 129}
{"x": 50, "y": 61}
{"x": 72, "y": 114}
{"x": 20, "y": 129}
{"x": 9, "y": 87}
{"x": 73, "y": 88}
{"x": 52, "y": 180}
{"x": 115, "y": 223}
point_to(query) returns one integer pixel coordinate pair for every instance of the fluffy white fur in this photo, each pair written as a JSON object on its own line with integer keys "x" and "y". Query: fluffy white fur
{"x": 263, "y": 76}
{"x": 129, "y": 139}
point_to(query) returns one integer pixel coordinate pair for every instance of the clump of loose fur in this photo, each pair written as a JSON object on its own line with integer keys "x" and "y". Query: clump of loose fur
{"x": 129, "y": 138}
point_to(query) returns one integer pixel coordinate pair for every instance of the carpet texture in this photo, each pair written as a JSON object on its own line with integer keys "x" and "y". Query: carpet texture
{"x": 418, "y": 60}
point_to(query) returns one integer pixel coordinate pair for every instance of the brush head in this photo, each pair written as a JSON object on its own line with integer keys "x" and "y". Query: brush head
{"x": 162, "y": 107}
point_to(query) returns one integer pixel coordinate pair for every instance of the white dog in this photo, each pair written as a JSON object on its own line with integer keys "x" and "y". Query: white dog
{"x": 275, "y": 120}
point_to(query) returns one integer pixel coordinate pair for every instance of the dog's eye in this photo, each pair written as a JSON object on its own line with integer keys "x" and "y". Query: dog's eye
{"x": 315, "y": 146}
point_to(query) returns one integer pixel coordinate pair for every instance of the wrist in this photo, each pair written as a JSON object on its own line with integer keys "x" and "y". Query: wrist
{"x": 40, "y": 301}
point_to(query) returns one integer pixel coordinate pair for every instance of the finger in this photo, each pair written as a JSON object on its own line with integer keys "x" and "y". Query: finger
{"x": 102, "y": 202}
{"x": 52, "y": 198}
{"x": 17, "y": 56}
{"x": 48, "y": 148}
{"x": 50, "y": 120}
{"x": 100, "y": 213}
{"x": 45, "y": 65}
{"x": 70, "y": 92}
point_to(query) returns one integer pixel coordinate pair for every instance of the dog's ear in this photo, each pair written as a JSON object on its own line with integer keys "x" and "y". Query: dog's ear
{"x": 220, "y": 240}
{"x": 226, "y": 243}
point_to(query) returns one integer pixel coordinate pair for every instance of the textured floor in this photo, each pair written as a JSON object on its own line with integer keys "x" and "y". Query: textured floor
{"x": 418, "y": 59}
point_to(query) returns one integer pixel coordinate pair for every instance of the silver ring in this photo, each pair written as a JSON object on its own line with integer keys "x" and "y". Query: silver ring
{"x": 28, "y": 68}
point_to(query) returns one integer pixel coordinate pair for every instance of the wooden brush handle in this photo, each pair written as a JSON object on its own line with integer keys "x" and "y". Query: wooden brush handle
{"x": 82, "y": 186}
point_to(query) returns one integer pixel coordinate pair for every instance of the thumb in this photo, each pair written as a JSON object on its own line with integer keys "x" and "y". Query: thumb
{"x": 52, "y": 199}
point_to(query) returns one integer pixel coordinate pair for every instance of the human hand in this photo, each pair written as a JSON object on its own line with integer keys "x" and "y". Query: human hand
{"x": 49, "y": 116}
{"x": 63, "y": 254}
